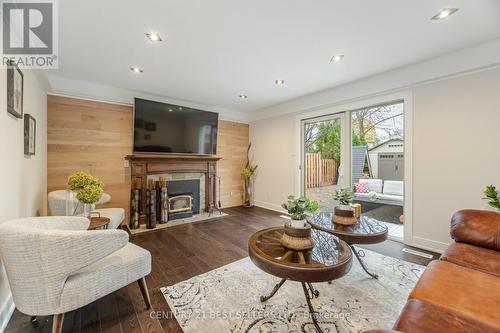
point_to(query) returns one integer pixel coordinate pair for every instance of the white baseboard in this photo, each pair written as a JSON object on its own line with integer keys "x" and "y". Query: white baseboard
{"x": 429, "y": 244}
{"x": 270, "y": 206}
{"x": 6, "y": 311}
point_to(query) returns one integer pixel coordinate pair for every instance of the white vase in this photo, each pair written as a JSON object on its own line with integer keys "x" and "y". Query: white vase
{"x": 71, "y": 203}
{"x": 248, "y": 192}
{"x": 87, "y": 209}
{"x": 297, "y": 223}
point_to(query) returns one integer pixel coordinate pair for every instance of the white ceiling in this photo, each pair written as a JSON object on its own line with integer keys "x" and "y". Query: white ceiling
{"x": 213, "y": 51}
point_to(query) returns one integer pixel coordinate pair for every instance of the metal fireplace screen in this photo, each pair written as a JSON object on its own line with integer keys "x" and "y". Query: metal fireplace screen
{"x": 180, "y": 203}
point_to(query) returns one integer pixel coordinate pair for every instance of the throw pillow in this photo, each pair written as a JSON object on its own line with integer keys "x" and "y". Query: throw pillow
{"x": 361, "y": 187}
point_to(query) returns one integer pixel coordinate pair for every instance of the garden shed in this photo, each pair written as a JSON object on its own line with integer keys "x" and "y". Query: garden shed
{"x": 387, "y": 160}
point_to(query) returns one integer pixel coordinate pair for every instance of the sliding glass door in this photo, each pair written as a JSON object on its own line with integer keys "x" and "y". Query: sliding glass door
{"x": 362, "y": 150}
{"x": 377, "y": 164}
{"x": 322, "y": 158}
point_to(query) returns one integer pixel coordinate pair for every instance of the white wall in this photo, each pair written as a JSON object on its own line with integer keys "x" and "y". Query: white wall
{"x": 274, "y": 151}
{"x": 23, "y": 179}
{"x": 455, "y": 152}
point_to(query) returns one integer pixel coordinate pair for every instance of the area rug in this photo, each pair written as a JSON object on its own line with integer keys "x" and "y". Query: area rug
{"x": 227, "y": 299}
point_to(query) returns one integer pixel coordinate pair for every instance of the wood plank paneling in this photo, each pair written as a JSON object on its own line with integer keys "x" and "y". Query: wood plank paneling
{"x": 232, "y": 143}
{"x": 89, "y": 136}
{"x": 96, "y": 136}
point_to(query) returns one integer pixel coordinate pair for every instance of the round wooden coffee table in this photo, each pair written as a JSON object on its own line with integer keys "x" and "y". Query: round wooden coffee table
{"x": 329, "y": 259}
{"x": 366, "y": 231}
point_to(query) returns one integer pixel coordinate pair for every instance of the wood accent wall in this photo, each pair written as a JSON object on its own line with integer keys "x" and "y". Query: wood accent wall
{"x": 89, "y": 136}
{"x": 232, "y": 143}
{"x": 96, "y": 136}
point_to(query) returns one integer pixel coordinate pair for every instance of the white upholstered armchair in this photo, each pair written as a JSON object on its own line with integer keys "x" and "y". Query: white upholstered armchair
{"x": 55, "y": 265}
{"x": 57, "y": 204}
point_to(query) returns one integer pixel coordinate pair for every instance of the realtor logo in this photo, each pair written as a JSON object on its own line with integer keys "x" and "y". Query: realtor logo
{"x": 29, "y": 37}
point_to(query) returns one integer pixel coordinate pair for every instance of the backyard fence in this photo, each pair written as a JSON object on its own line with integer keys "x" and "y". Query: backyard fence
{"x": 320, "y": 172}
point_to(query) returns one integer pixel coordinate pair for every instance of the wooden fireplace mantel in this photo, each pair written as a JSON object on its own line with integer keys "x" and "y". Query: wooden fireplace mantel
{"x": 180, "y": 157}
{"x": 143, "y": 165}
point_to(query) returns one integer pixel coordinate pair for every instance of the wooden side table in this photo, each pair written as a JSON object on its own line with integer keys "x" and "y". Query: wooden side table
{"x": 98, "y": 223}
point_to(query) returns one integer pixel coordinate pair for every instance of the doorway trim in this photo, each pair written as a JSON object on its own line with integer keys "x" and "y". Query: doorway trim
{"x": 302, "y": 153}
{"x": 404, "y": 95}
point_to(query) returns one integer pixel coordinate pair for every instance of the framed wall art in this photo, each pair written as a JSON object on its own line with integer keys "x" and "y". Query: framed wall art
{"x": 15, "y": 84}
{"x": 29, "y": 135}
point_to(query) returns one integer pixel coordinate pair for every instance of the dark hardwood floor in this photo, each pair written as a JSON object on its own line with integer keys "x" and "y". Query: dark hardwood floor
{"x": 179, "y": 253}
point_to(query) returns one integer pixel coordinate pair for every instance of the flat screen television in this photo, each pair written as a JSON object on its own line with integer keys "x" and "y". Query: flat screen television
{"x": 168, "y": 128}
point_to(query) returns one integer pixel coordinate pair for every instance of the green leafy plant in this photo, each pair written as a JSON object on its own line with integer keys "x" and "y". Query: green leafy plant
{"x": 297, "y": 208}
{"x": 344, "y": 196}
{"x": 249, "y": 169}
{"x": 491, "y": 194}
{"x": 89, "y": 188}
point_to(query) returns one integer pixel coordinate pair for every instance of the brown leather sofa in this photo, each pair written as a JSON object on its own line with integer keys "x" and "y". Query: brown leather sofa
{"x": 460, "y": 292}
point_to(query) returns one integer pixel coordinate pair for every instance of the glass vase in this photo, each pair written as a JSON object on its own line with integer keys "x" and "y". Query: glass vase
{"x": 71, "y": 203}
{"x": 248, "y": 192}
{"x": 87, "y": 209}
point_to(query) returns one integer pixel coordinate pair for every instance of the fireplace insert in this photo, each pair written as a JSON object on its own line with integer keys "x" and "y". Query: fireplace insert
{"x": 180, "y": 203}
{"x": 180, "y": 206}
{"x": 183, "y": 198}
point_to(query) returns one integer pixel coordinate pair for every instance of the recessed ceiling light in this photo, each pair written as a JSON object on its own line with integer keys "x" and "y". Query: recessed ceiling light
{"x": 444, "y": 13}
{"x": 243, "y": 96}
{"x": 170, "y": 110}
{"x": 337, "y": 58}
{"x": 136, "y": 69}
{"x": 280, "y": 82}
{"x": 154, "y": 37}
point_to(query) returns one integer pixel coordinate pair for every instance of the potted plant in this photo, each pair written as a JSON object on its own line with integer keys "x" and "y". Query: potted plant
{"x": 297, "y": 233}
{"x": 344, "y": 212}
{"x": 491, "y": 194}
{"x": 88, "y": 188}
{"x": 345, "y": 197}
{"x": 247, "y": 174}
{"x": 298, "y": 208}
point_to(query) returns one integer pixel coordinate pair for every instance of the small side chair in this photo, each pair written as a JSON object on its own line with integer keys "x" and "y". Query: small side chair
{"x": 55, "y": 265}
{"x": 57, "y": 204}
